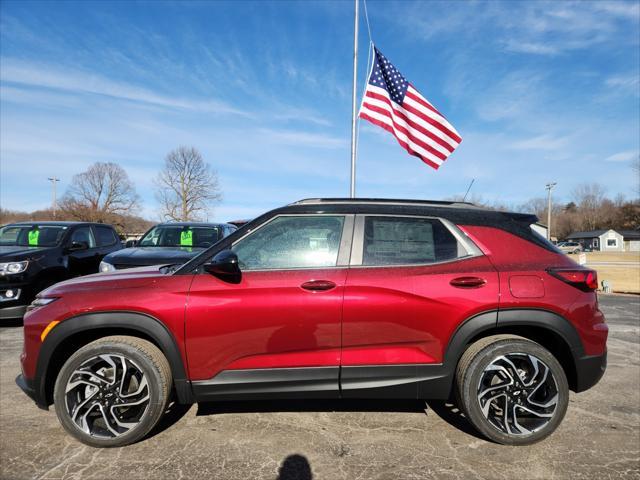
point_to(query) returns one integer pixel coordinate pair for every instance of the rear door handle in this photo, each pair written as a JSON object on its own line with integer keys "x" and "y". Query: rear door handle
{"x": 318, "y": 285}
{"x": 468, "y": 282}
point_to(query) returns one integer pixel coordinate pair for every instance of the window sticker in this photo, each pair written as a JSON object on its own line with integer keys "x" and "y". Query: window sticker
{"x": 186, "y": 238}
{"x": 33, "y": 238}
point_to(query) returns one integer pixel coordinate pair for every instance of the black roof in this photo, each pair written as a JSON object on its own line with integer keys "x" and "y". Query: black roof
{"x": 627, "y": 234}
{"x": 55, "y": 223}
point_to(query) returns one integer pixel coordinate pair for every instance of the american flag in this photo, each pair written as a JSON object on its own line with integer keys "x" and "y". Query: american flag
{"x": 392, "y": 103}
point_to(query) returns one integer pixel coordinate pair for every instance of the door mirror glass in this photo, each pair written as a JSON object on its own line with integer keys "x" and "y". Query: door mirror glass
{"x": 224, "y": 265}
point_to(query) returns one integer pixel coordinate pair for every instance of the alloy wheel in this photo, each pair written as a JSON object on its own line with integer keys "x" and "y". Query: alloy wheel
{"x": 107, "y": 396}
{"x": 518, "y": 394}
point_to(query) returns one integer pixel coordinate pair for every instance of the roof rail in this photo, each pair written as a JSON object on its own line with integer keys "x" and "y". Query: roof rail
{"x": 386, "y": 201}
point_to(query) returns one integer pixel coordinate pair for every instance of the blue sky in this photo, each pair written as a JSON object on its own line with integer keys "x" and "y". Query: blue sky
{"x": 539, "y": 91}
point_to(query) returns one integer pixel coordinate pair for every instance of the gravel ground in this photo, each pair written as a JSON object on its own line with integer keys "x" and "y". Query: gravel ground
{"x": 599, "y": 438}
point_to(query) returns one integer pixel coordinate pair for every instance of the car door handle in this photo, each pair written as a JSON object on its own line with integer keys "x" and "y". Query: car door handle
{"x": 468, "y": 282}
{"x": 318, "y": 285}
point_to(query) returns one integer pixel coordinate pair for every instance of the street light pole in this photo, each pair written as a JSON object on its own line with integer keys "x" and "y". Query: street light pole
{"x": 54, "y": 203}
{"x": 549, "y": 186}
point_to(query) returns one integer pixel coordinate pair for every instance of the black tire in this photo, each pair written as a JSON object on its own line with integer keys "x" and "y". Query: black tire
{"x": 483, "y": 379}
{"x": 144, "y": 370}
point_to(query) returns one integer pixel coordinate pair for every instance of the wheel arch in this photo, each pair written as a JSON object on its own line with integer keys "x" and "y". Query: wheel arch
{"x": 73, "y": 333}
{"x": 552, "y": 331}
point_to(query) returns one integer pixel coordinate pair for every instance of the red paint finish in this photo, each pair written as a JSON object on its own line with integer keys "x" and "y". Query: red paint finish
{"x": 407, "y": 314}
{"x": 526, "y": 286}
{"x": 330, "y": 317}
{"x": 142, "y": 290}
{"x": 267, "y": 320}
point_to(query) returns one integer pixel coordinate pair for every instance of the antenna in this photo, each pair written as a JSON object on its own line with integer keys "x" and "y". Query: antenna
{"x": 467, "y": 192}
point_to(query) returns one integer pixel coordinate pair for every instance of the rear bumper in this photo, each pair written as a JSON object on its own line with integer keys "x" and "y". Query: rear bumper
{"x": 589, "y": 371}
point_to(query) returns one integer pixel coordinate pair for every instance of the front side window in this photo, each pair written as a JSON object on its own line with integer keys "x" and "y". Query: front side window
{"x": 407, "y": 241}
{"x": 292, "y": 242}
{"x": 83, "y": 235}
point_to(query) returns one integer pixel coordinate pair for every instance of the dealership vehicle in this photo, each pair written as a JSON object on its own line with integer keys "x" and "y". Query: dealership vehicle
{"x": 328, "y": 298}
{"x": 570, "y": 247}
{"x": 167, "y": 243}
{"x": 35, "y": 255}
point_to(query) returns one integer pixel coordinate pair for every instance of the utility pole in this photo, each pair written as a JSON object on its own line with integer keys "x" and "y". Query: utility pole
{"x": 54, "y": 203}
{"x": 549, "y": 186}
{"x": 352, "y": 190}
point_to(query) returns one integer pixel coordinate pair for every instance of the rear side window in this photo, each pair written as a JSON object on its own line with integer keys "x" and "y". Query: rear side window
{"x": 84, "y": 235}
{"x": 407, "y": 241}
{"x": 105, "y": 236}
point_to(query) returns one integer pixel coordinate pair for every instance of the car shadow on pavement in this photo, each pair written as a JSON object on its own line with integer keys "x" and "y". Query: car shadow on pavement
{"x": 446, "y": 410}
{"x": 172, "y": 415}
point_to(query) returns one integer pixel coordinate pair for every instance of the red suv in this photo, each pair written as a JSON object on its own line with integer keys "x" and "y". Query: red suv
{"x": 328, "y": 298}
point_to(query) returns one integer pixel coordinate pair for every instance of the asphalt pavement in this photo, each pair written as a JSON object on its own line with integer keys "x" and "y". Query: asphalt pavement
{"x": 599, "y": 438}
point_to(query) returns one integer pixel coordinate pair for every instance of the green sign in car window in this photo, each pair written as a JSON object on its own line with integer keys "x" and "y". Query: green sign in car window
{"x": 186, "y": 238}
{"x": 33, "y": 237}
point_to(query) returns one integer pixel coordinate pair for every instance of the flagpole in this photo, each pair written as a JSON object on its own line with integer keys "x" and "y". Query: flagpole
{"x": 353, "y": 105}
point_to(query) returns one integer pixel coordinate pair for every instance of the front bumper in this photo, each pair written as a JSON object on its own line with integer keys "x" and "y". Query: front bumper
{"x": 589, "y": 370}
{"x": 26, "y": 386}
{"x": 14, "y": 312}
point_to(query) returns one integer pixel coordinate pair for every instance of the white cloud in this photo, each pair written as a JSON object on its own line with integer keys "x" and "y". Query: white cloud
{"x": 627, "y": 156}
{"x": 629, "y": 83}
{"x": 306, "y": 139}
{"x": 77, "y": 81}
{"x": 541, "y": 142}
{"x": 514, "y": 45}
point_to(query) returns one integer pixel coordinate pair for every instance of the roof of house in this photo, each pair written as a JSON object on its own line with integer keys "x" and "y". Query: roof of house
{"x": 590, "y": 234}
{"x": 627, "y": 234}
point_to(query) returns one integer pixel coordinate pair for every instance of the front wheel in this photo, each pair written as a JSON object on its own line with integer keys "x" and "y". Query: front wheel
{"x": 511, "y": 389}
{"x": 112, "y": 391}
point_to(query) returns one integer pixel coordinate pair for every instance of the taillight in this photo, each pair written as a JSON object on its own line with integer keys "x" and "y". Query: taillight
{"x": 583, "y": 279}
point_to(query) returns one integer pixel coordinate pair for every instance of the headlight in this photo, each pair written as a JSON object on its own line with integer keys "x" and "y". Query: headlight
{"x": 13, "y": 267}
{"x": 106, "y": 267}
{"x": 40, "y": 302}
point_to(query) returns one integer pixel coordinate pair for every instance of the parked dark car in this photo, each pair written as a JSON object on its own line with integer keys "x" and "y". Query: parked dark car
{"x": 35, "y": 255}
{"x": 333, "y": 298}
{"x": 168, "y": 243}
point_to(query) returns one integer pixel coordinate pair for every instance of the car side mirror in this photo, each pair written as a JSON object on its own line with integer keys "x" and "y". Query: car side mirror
{"x": 225, "y": 266}
{"x": 77, "y": 246}
{"x": 130, "y": 243}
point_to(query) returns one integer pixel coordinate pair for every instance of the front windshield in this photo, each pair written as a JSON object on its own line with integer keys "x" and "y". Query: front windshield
{"x": 181, "y": 236}
{"x": 32, "y": 235}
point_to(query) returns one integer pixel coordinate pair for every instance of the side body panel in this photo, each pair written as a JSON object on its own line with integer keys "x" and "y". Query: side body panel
{"x": 265, "y": 321}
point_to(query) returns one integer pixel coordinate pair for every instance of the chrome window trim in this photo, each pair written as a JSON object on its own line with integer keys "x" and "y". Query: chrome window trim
{"x": 344, "y": 248}
{"x": 358, "y": 242}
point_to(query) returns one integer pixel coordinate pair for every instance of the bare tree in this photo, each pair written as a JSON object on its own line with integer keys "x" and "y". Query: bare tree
{"x": 101, "y": 194}
{"x": 186, "y": 186}
{"x": 589, "y": 198}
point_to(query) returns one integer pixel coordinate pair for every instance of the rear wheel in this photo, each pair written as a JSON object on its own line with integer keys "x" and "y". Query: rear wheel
{"x": 112, "y": 391}
{"x": 511, "y": 389}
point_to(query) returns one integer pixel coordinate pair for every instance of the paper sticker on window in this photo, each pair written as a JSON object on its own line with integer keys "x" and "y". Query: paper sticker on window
{"x": 186, "y": 238}
{"x": 33, "y": 237}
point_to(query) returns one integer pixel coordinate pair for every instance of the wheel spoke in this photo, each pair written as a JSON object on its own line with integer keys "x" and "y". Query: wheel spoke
{"x": 517, "y": 393}
{"x": 107, "y": 395}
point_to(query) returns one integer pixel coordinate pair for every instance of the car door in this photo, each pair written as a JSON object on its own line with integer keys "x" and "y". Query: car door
{"x": 82, "y": 261}
{"x": 278, "y": 327}
{"x": 412, "y": 281}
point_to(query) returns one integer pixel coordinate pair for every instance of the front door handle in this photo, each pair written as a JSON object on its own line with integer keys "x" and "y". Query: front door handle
{"x": 468, "y": 282}
{"x": 318, "y": 285}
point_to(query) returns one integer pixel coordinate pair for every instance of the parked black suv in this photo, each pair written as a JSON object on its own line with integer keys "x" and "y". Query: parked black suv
{"x": 168, "y": 243}
{"x": 35, "y": 255}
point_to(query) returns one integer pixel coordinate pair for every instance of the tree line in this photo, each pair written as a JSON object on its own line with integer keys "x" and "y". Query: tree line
{"x": 185, "y": 189}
